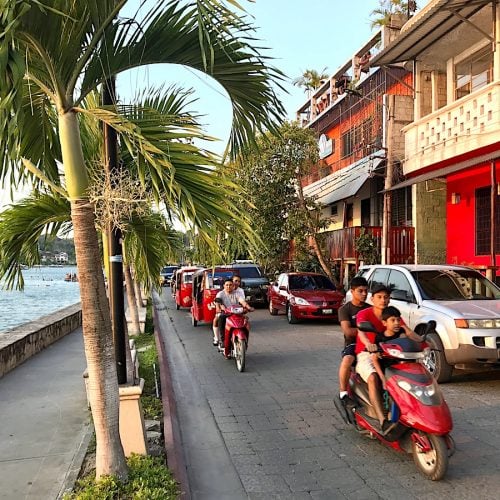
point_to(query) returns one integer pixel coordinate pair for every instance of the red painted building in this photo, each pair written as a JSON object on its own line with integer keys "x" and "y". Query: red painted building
{"x": 452, "y": 148}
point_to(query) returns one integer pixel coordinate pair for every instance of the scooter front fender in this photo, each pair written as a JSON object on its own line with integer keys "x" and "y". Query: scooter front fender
{"x": 240, "y": 334}
{"x": 433, "y": 419}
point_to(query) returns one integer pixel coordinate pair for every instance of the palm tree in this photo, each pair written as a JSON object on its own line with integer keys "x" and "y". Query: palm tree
{"x": 387, "y": 8}
{"x": 310, "y": 80}
{"x": 53, "y": 53}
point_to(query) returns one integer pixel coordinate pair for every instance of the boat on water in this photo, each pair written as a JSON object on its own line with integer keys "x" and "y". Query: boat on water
{"x": 73, "y": 277}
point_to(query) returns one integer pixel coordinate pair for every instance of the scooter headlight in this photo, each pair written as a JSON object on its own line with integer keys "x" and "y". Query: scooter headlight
{"x": 426, "y": 394}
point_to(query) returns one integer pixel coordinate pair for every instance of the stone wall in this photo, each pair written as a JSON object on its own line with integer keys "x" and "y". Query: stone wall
{"x": 20, "y": 343}
{"x": 430, "y": 222}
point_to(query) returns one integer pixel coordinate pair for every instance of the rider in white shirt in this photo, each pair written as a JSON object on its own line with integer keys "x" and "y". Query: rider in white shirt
{"x": 223, "y": 300}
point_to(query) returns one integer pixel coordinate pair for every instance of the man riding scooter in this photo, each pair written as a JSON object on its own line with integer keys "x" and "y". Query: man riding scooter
{"x": 223, "y": 300}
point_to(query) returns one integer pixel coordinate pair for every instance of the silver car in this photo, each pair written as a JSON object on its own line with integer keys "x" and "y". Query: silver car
{"x": 464, "y": 304}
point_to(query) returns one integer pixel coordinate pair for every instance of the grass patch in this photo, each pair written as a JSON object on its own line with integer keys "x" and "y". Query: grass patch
{"x": 148, "y": 479}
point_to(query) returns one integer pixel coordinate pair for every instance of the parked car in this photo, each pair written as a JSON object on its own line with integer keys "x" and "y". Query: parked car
{"x": 304, "y": 296}
{"x": 464, "y": 304}
{"x": 166, "y": 275}
{"x": 253, "y": 282}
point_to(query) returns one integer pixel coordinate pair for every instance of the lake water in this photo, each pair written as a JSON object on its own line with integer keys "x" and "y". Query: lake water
{"x": 45, "y": 291}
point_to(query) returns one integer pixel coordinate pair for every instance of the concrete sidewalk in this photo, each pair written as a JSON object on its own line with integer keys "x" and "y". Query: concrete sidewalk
{"x": 44, "y": 422}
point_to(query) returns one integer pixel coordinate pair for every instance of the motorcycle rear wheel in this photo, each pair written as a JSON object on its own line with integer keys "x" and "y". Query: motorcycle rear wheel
{"x": 240, "y": 348}
{"x": 433, "y": 463}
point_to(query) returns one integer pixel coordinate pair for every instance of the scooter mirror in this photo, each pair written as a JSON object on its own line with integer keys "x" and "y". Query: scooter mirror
{"x": 366, "y": 326}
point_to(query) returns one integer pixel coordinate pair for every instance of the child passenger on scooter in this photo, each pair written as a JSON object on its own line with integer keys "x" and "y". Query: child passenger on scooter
{"x": 394, "y": 328}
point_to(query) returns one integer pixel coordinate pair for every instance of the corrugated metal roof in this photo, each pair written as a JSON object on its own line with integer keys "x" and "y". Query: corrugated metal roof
{"x": 344, "y": 183}
{"x": 429, "y": 25}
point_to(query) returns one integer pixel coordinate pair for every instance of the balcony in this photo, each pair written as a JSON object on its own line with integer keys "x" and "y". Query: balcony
{"x": 340, "y": 243}
{"x": 461, "y": 127}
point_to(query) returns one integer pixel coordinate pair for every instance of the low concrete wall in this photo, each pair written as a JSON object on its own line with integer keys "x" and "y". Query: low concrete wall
{"x": 20, "y": 343}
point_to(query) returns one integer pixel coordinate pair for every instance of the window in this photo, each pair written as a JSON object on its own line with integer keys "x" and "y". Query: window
{"x": 398, "y": 281}
{"x": 473, "y": 73}
{"x": 334, "y": 210}
{"x": 358, "y": 138}
{"x": 483, "y": 219}
{"x": 379, "y": 277}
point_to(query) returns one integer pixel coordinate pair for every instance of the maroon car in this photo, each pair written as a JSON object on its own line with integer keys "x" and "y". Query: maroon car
{"x": 304, "y": 296}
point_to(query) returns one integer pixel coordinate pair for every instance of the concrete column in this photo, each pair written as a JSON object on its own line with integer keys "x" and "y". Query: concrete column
{"x": 132, "y": 430}
{"x": 496, "y": 53}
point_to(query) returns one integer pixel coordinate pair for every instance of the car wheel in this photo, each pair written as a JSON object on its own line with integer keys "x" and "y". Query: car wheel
{"x": 290, "y": 316}
{"x": 436, "y": 361}
{"x": 272, "y": 310}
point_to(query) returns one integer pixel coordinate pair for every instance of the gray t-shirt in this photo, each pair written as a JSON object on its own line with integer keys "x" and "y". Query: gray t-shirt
{"x": 228, "y": 299}
{"x": 348, "y": 312}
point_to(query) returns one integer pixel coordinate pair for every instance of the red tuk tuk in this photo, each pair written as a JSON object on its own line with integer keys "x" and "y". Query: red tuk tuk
{"x": 206, "y": 284}
{"x": 184, "y": 286}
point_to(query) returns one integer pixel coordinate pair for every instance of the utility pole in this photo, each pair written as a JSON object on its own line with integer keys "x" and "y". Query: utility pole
{"x": 387, "y": 210}
{"x": 114, "y": 237}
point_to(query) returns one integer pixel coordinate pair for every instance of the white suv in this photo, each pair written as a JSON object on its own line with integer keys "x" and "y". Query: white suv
{"x": 464, "y": 304}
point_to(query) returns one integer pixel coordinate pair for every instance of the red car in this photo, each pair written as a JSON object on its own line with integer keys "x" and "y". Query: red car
{"x": 304, "y": 296}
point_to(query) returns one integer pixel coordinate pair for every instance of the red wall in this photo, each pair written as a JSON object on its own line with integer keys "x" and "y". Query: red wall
{"x": 460, "y": 229}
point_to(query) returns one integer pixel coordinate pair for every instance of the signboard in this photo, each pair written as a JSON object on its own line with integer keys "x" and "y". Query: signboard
{"x": 325, "y": 146}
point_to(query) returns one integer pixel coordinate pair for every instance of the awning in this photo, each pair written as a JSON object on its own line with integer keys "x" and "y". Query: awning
{"x": 444, "y": 171}
{"x": 346, "y": 182}
{"x": 431, "y": 23}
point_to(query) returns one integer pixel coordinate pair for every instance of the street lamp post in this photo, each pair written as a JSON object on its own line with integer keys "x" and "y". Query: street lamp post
{"x": 116, "y": 300}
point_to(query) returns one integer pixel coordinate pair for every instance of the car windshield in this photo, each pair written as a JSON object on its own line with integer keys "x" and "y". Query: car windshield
{"x": 455, "y": 284}
{"x": 217, "y": 280}
{"x": 310, "y": 282}
{"x": 249, "y": 272}
{"x": 169, "y": 269}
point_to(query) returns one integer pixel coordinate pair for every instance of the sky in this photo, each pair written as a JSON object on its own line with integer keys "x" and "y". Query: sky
{"x": 300, "y": 35}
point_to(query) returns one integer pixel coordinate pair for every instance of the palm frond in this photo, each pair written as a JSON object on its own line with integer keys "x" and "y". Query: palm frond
{"x": 21, "y": 225}
{"x": 149, "y": 243}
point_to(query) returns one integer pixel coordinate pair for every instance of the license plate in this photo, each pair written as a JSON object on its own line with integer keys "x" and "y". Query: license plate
{"x": 327, "y": 311}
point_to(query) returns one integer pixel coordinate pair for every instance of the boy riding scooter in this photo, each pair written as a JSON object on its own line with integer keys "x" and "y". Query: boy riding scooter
{"x": 366, "y": 345}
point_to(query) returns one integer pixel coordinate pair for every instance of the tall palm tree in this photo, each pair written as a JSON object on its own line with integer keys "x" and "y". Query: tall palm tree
{"x": 310, "y": 80}
{"x": 55, "y": 52}
{"x": 382, "y": 14}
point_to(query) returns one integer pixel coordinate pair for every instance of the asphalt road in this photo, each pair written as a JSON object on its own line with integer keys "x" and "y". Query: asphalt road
{"x": 285, "y": 439}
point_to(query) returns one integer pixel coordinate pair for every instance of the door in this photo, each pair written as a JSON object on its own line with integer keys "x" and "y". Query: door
{"x": 402, "y": 296}
{"x": 282, "y": 296}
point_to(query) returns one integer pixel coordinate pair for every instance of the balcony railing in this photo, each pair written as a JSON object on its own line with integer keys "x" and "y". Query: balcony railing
{"x": 341, "y": 243}
{"x": 460, "y": 127}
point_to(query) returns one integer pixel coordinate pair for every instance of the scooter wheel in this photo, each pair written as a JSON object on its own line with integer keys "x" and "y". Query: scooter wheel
{"x": 432, "y": 463}
{"x": 240, "y": 348}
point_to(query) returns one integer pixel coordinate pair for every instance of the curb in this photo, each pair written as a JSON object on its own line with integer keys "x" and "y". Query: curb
{"x": 77, "y": 462}
{"x": 171, "y": 429}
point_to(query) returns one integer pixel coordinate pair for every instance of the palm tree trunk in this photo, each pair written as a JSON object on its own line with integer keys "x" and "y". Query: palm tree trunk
{"x": 312, "y": 234}
{"x": 135, "y": 327}
{"x": 96, "y": 320}
{"x": 138, "y": 293}
{"x": 98, "y": 341}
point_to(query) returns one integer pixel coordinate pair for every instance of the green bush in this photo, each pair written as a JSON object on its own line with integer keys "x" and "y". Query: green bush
{"x": 148, "y": 479}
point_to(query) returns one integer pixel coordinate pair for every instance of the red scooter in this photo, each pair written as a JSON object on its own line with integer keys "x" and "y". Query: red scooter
{"x": 236, "y": 333}
{"x": 419, "y": 420}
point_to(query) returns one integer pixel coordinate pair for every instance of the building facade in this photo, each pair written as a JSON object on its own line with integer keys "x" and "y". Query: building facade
{"x": 358, "y": 115}
{"x": 452, "y": 146}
